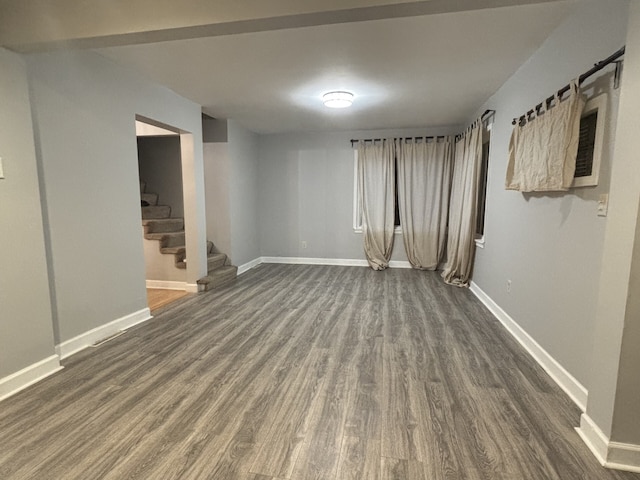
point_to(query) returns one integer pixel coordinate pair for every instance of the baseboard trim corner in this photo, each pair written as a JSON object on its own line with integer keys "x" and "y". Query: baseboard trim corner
{"x": 193, "y": 288}
{"x": 84, "y": 340}
{"x": 623, "y": 456}
{"x": 576, "y": 391}
{"x": 18, "y": 381}
{"x": 614, "y": 455}
{"x": 249, "y": 265}
{"x": 593, "y": 437}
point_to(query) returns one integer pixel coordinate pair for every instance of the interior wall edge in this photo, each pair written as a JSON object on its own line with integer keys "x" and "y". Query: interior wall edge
{"x": 613, "y": 455}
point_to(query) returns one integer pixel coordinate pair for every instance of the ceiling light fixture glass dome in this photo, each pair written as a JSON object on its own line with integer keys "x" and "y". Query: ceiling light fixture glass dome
{"x": 337, "y": 99}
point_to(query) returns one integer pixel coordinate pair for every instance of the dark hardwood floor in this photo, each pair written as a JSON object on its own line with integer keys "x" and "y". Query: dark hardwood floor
{"x": 303, "y": 372}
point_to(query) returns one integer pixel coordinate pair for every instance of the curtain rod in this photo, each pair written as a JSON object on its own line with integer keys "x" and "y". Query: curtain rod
{"x": 431, "y": 137}
{"x": 522, "y": 120}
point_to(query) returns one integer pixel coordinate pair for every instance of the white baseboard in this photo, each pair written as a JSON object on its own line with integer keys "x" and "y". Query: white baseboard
{"x": 345, "y": 262}
{"x": 316, "y": 261}
{"x": 22, "y": 379}
{"x": 166, "y": 284}
{"x": 623, "y": 456}
{"x": 399, "y": 264}
{"x": 93, "y": 336}
{"x": 595, "y": 439}
{"x": 576, "y": 391}
{"x": 249, "y": 265}
{"x": 615, "y": 455}
{"x": 193, "y": 288}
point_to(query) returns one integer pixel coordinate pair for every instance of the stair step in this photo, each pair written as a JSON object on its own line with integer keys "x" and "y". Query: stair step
{"x": 181, "y": 257}
{"x": 162, "y": 225}
{"x": 150, "y": 198}
{"x": 156, "y": 211}
{"x": 167, "y": 239}
{"x": 177, "y": 250}
{"x": 215, "y": 261}
{"x": 219, "y": 277}
{"x": 143, "y": 185}
{"x": 210, "y": 247}
{"x": 173, "y": 239}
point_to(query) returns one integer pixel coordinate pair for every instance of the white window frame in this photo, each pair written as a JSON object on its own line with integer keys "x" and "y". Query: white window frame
{"x": 357, "y": 207}
{"x": 598, "y": 104}
{"x": 486, "y": 134}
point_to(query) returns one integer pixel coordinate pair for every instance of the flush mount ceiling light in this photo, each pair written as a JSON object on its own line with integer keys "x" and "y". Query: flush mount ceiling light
{"x": 337, "y": 99}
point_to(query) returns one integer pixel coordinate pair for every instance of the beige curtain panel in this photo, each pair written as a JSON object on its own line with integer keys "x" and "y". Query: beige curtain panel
{"x": 424, "y": 178}
{"x": 376, "y": 187}
{"x": 542, "y": 153}
{"x": 462, "y": 208}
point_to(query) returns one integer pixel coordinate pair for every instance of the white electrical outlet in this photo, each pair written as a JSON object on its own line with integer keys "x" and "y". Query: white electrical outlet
{"x": 508, "y": 286}
{"x": 304, "y": 244}
{"x": 1, "y": 169}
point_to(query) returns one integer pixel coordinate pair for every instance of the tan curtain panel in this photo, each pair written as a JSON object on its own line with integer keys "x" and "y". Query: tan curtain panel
{"x": 542, "y": 153}
{"x": 376, "y": 187}
{"x": 424, "y": 179}
{"x": 462, "y": 208}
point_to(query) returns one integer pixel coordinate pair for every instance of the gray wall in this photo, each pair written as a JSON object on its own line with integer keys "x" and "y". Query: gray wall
{"x": 26, "y": 334}
{"x": 231, "y": 179}
{"x": 84, "y": 109}
{"x": 243, "y": 193}
{"x": 217, "y": 172}
{"x": 305, "y": 193}
{"x": 160, "y": 167}
{"x": 550, "y": 246}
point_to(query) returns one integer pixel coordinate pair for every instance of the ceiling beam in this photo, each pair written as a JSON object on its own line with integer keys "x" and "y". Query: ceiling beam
{"x": 28, "y": 26}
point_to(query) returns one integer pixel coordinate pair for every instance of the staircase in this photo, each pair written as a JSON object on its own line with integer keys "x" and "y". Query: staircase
{"x": 159, "y": 225}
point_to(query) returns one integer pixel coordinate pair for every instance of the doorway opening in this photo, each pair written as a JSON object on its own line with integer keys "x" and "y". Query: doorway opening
{"x": 162, "y": 206}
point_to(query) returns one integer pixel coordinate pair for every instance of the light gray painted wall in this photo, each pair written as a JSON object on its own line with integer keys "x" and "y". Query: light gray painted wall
{"x": 305, "y": 193}
{"x": 85, "y": 108}
{"x": 217, "y": 171}
{"x": 160, "y": 166}
{"x": 550, "y": 246}
{"x": 231, "y": 179}
{"x": 26, "y": 334}
{"x": 243, "y": 193}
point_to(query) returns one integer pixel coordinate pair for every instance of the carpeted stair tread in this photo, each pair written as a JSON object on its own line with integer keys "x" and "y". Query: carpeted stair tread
{"x": 156, "y": 211}
{"x": 219, "y": 277}
{"x": 215, "y": 261}
{"x": 163, "y": 225}
{"x": 174, "y": 250}
{"x": 150, "y": 198}
{"x": 174, "y": 239}
{"x": 163, "y": 236}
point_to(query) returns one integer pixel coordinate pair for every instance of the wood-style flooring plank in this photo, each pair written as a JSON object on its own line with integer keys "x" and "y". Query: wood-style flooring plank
{"x": 299, "y": 372}
{"x": 159, "y": 297}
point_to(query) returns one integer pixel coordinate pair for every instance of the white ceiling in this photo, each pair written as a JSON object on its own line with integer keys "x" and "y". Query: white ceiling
{"x": 429, "y": 70}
